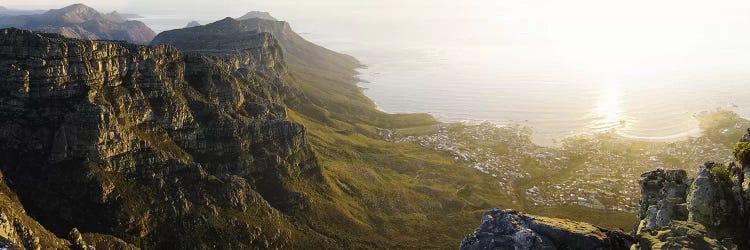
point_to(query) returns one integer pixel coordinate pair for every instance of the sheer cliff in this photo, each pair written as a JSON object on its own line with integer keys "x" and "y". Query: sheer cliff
{"x": 149, "y": 144}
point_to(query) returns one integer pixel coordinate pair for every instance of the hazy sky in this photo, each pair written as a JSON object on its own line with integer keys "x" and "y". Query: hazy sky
{"x": 632, "y": 32}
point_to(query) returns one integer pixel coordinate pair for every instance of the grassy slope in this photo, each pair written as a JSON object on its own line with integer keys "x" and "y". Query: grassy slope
{"x": 384, "y": 194}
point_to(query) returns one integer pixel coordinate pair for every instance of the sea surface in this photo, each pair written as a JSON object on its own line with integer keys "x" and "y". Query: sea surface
{"x": 516, "y": 76}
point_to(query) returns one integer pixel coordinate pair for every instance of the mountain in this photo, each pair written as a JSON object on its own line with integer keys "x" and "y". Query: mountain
{"x": 228, "y": 144}
{"x": 297, "y": 50}
{"x": 138, "y": 138}
{"x": 81, "y": 21}
{"x": 192, "y": 24}
{"x": 257, "y": 14}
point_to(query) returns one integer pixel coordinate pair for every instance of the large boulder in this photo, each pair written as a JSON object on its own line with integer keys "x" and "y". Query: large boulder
{"x": 663, "y": 197}
{"x": 509, "y": 229}
{"x": 708, "y": 202}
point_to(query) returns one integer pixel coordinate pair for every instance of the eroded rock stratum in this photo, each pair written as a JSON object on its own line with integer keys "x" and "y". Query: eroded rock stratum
{"x": 149, "y": 144}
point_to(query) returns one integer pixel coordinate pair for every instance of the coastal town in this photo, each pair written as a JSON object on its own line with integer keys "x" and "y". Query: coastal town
{"x": 592, "y": 171}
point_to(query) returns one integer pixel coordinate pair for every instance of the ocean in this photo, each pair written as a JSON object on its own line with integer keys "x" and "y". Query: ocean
{"x": 560, "y": 78}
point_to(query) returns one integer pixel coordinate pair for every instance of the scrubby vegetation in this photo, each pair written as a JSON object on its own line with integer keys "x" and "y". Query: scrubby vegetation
{"x": 742, "y": 152}
{"x": 723, "y": 176}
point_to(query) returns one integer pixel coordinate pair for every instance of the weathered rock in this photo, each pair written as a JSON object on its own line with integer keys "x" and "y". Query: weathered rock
{"x": 75, "y": 237}
{"x": 149, "y": 143}
{"x": 508, "y": 229}
{"x": 707, "y": 218}
{"x": 706, "y": 203}
{"x": 662, "y": 197}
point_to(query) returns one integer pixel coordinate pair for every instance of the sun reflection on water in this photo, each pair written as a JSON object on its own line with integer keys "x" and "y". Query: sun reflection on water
{"x": 608, "y": 109}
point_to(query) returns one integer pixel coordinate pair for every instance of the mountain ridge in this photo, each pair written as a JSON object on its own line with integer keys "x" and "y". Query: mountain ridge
{"x": 81, "y": 21}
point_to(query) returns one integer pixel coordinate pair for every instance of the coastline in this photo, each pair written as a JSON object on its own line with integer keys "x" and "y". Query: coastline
{"x": 696, "y": 131}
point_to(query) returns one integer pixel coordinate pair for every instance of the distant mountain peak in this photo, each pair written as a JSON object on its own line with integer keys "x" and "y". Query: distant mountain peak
{"x": 76, "y": 13}
{"x": 193, "y": 24}
{"x": 84, "y": 22}
{"x": 257, "y": 14}
{"x": 78, "y": 7}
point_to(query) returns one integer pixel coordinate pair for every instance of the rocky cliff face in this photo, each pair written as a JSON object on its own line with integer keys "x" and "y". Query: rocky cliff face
{"x": 149, "y": 144}
{"x": 83, "y": 22}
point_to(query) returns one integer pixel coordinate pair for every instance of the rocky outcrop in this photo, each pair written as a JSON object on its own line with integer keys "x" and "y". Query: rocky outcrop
{"x": 150, "y": 144}
{"x": 663, "y": 197}
{"x": 508, "y": 229}
{"x": 83, "y": 22}
{"x": 679, "y": 212}
{"x": 707, "y": 201}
